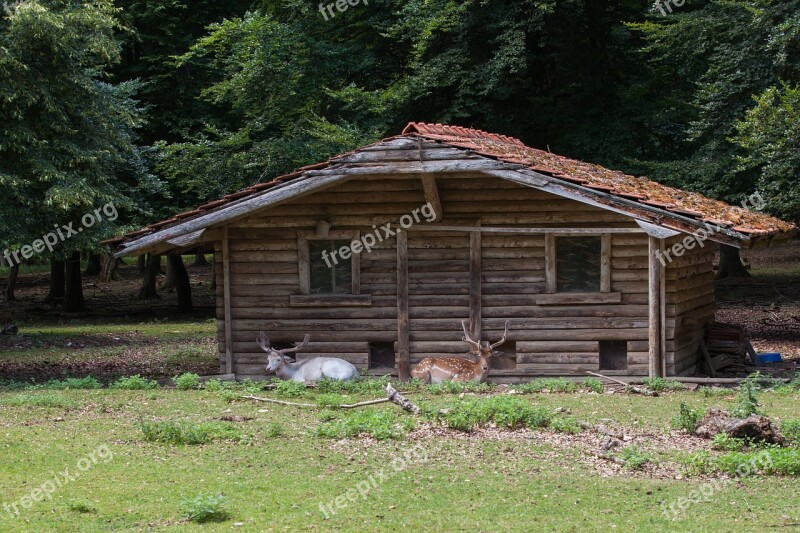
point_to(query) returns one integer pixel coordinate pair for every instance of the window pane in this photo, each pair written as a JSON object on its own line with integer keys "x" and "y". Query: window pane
{"x": 578, "y": 264}
{"x": 334, "y": 276}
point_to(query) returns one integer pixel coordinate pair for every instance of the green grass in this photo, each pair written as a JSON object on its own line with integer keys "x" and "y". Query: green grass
{"x": 274, "y": 470}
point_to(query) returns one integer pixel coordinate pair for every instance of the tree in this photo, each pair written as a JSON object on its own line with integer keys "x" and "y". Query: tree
{"x": 151, "y": 270}
{"x": 182, "y": 286}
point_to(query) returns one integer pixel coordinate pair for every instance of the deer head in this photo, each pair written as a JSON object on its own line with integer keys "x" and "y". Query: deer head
{"x": 485, "y": 353}
{"x": 277, "y": 358}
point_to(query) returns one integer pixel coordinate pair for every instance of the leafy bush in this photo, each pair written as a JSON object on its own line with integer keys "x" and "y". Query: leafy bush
{"x": 770, "y": 461}
{"x": 136, "y": 382}
{"x": 547, "y": 384}
{"x": 723, "y": 441}
{"x": 187, "y": 381}
{"x": 41, "y": 400}
{"x": 687, "y": 418}
{"x": 505, "y": 411}
{"x": 660, "y": 384}
{"x": 213, "y": 385}
{"x": 74, "y": 383}
{"x": 205, "y": 508}
{"x": 634, "y": 458}
{"x": 290, "y": 389}
{"x": 711, "y": 392}
{"x": 184, "y": 432}
{"x": 379, "y": 424}
{"x": 330, "y": 400}
{"x": 746, "y": 401}
{"x": 594, "y": 385}
{"x": 790, "y": 429}
{"x": 366, "y": 386}
{"x": 565, "y": 425}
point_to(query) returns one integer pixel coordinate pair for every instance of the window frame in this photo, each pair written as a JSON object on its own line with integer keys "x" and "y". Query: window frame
{"x": 304, "y": 261}
{"x": 551, "y": 261}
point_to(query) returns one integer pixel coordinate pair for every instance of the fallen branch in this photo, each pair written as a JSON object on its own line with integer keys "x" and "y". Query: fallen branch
{"x": 399, "y": 399}
{"x": 279, "y": 402}
{"x": 600, "y": 429}
{"x": 637, "y": 390}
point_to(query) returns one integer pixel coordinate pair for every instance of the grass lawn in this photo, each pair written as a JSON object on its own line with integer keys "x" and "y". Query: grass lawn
{"x": 277, "y": 469}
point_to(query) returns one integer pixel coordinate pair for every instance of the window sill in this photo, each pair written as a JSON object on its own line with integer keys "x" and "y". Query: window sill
{"x": 578, "y": 298}
{"x": 330, "y": 300}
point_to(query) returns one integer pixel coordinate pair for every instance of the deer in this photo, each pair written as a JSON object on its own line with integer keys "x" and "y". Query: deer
{"x": 313, "y": 369}
{"x": 438, "y": 369}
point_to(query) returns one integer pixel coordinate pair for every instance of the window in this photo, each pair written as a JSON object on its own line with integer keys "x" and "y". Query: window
{"x": 613, "y": 355}
{"x": 381, "y": 355}
{"x": 578, "y": 264}
{"x": 329, "y": 273}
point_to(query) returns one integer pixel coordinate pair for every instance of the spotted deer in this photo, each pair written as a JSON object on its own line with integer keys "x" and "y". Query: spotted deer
{"x": 313, "y": 369}
{"x": 438, "y": 369}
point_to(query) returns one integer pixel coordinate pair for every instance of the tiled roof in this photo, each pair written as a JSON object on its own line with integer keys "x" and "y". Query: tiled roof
{"x": 511, "y": 150}
{"x": 614, "y": 182}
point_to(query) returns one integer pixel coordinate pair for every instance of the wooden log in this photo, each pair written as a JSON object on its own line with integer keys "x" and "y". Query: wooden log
{"x": 403, "y": 329}
{"x": 637, "y": 390}
{"x": 655, "y": 247}
{"x": 226, "y": 282}
{"x": 399, "y": 399}
{"x": 475, "y": 285}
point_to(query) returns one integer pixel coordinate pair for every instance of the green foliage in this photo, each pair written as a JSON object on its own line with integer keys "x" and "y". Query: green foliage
{"x": 593, "y": 385}
{"x": 136, "y": 382}
{"x": 205, "y": 508}
{"x": 722, "y": 441}
{"x": 547, "y": 384}
{"x": 565, "y": 425}
{"x": 634, "y": 458}
{"x": 74, "y": 383}
{"x": 455, "y": 387}
{"x": 505, "y": 411}
{"x": 290, "y": 389}
{"x": 746, "y": 400}
{"x": 213, "y": 385}
{"x": 178, "y": 432}
{"x": 790, "y": 428}
{"x": 660, "y": 384}
{"x": 187, "y": 381}
{"x": 78, "y": 506}
{"x": 377, "y": 423}
{"x": 687, "y": 418}
{"x": 274, "y": 429}
{"x": 41, "y": 400}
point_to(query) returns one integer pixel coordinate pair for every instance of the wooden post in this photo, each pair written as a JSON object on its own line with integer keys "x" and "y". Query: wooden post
{"x": 550, "y": 263}
{"x": 475, "y": 284}
{"x": 432, "y": 195}
{"x": 655, "y": 324}
{"x": 226, "y": 289}
{"x": 605, "y": 262}
{"x": 403, "y": 356}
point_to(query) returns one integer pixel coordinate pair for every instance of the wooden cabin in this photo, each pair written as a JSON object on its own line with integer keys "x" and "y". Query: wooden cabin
{"x": 463, "y": 225}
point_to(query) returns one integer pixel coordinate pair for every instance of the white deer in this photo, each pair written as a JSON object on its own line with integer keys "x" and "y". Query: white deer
{"x": 313, "y": 369}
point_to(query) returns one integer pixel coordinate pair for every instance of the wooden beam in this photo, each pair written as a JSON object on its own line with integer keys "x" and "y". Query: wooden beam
{"x": 560, "y": 232}
{"x": 550, "y": 263}
{"x": 226, "y": 284}
{"x": 432, "y": 195}
{"x": 655, "y": 275}
{"x": 303, "y": 263}
{"x": 403, "y": 326}
{"x": 605, "y": 262}
{"x": 475, "y": 285}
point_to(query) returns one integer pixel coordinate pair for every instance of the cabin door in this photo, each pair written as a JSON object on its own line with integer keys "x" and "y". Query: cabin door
{"x": 438, "y": 292}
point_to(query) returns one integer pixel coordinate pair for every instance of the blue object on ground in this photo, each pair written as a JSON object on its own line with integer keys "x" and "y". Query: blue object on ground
{"x": 770, "y": 357}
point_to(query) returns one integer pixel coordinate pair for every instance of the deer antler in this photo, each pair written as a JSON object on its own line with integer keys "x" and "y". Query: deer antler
{"x": 501, "y": 341}
{"x": 296, "y": 348}
{"x": 263, "y": 341}
{"x": 466, "y": 338}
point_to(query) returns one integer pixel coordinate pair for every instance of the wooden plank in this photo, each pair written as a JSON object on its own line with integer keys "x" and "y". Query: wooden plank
{"x": 562, "y": 232}
{"x": 605, "y": 262}
{"x": 475, "y": 285}
{"x": 656, "y": 272}
{"x": 226, "y": 282}
{"x": 432, "y": 195}
{"x": 570, "y": 298}
{"x": 303, "y": 264}
{"x": 403, "y": 327}
{"x": 330, "y": 300}
{"x": 550, "y": 263}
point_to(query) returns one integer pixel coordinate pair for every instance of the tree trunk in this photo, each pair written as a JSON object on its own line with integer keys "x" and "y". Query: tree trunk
{"x": 200, "y": 260}
{"x": 12, "y": 283}
{"x": 140, "y": 264}
{"x": 730, "y": 263}
{"x": 57, "y": 281}
{"x": 148, "y": 290}
{"x": 93, "y": 267}
{"x": 169, "y": 279}
{"x": 181, "y": 281}
{"x": 108, "y": 268}
{"x": 73, "y": 297}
